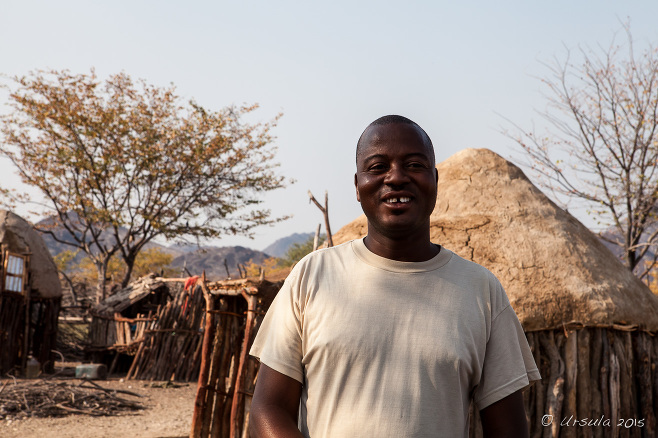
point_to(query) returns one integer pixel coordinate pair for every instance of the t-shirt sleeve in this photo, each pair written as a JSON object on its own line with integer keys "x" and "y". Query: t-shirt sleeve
{"x": 508, "y": 361}
{"x": 278, "y": 343}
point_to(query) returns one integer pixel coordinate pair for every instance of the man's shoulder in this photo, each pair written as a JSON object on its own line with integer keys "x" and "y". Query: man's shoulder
{"x": 332, "y": 251}
{"x": 324, "y": 256}
{"x": 465, "y": 266}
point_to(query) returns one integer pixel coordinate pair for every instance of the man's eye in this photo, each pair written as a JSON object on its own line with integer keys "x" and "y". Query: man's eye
{"x": 377, "y": 167}
{"x": 416, "y": 165}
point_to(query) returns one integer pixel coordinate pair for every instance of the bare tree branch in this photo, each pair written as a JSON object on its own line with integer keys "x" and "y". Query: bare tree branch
{"x": 602, "y": 147}
{"x": 325, "y": 213}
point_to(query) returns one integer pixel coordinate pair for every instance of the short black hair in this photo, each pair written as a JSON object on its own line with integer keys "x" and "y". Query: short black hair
{"x": 391, "y": 119}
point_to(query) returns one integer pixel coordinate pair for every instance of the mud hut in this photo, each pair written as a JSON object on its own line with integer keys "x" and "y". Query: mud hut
{"x": 30, "y": 296}
{"x": 589, "y": 321}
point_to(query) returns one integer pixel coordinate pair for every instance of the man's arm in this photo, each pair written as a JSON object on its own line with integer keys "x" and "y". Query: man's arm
{"x": 505, "y": 418}
{"x": 275, "y": 405}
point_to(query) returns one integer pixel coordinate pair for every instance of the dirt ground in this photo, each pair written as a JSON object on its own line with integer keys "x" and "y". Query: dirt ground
{"x": 168, "y": 413}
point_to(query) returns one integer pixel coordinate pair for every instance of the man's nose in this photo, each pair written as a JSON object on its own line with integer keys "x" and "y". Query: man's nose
{"x": 396, "y": 175}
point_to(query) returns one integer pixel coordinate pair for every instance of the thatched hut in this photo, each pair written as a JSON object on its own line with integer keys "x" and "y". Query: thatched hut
{"x": 30, "y": 296}
{"x": 119, "y": 322}
{"x": 589, "y": 320}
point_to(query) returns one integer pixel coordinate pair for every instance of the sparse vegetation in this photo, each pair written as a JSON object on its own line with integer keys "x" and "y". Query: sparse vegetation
{"x": 298, "y": 250}
{"x": 121, "y": 162}
{"x": 601, "y": 149}
{"x": 80, "y": 276}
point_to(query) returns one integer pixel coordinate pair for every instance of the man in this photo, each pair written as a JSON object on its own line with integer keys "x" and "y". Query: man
{"x": 391, "y": 335}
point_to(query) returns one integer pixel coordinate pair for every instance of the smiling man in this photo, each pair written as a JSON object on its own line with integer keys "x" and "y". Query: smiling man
{"x": 391, "y": 335}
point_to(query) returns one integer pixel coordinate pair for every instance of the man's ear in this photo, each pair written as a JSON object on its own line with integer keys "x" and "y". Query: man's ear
{"x": 356, "y": 186}
{"x": 436, "y": 175}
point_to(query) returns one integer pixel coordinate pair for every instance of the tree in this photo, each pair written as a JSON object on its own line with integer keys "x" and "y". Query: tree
{"x": 603, "y": 113}
{"x": 297, "y": 251}
{"x": 122, "y": 162}
{"x": 153, "y": 260}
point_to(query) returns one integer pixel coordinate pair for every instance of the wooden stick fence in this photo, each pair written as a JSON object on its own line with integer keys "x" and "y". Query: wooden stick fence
{"x": 170, "y": 348}
{"x": 591, "y": 375}
{"x": 119, "y": 333}
{"x": 227, "y": 376}
{"x": 27, "y": 326}
{"x": 12, "y": 331}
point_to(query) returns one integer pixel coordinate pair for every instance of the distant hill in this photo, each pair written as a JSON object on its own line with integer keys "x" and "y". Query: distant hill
{"x": 194, "y": 257}
{"x": 211, "y": 259}
{"x": 56, "y": 246}
{"x": 280, "y": 247}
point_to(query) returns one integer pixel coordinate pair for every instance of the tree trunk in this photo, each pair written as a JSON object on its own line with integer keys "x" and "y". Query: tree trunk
{"x": 130, "y": 265}
{"x": 101, "y": 269}
{"x": 74, "y": 296}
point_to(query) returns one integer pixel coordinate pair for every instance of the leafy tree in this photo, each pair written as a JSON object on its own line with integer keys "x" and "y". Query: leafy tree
{"x": 298, "y": 250}
{"x": 149, "y": 260}
{"x": 271, "y": 266}
{"x": 604, "y": 117}
{"x": 121, "y": 162}
{"x": 153, "y": 260}
{"x": 63, "y": 262}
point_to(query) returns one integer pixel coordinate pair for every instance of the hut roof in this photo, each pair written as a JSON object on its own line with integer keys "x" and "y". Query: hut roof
{"x": 129, "y": 295}
{"x": 18, "y": 236}
{"x": 555, "y": 270}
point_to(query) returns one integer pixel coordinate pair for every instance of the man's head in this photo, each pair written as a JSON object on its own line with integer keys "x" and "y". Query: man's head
{"x": 396, "y": 179}
{"x": 393, "y": 118}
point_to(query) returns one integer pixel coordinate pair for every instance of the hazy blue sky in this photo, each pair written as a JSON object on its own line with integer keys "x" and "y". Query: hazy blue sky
{"x": 330, "y": 68}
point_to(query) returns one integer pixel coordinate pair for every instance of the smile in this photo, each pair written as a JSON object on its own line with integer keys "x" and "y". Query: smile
{"x": 396, "y": 200}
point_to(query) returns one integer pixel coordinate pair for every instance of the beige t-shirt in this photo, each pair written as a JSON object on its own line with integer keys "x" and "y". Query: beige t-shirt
{"x": 390, "y": 349}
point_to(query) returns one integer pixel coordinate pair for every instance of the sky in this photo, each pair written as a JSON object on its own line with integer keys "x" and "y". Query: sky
{"x": 459, "y": 69}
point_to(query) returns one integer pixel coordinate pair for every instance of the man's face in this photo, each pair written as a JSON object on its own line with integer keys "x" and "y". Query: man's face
{"x": 396, "y": 181}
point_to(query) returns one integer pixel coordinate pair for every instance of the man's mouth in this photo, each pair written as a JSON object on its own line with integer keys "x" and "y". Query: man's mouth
{"x": 401, "y": 200}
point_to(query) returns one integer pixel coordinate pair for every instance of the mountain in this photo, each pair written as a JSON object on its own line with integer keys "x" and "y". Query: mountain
{"x": 280, "y": 247}
{"x": 194, "y": 257}
{"x": 56, "y": 246}
{"x": 211, "y": 259}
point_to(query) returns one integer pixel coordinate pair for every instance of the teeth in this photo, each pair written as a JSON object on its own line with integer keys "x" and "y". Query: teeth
{"x": 394, "y": 200}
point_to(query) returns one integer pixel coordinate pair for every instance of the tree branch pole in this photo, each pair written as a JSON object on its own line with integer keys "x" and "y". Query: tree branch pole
{"x": 208, "y": 335}
{"x": 317, "y": 237}
{"x": 238, "y": 396}
{"x": 325, "y": 212}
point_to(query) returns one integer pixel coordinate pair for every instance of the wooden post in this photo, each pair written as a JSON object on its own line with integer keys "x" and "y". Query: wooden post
{"x": 642, "y": 345}
{"x": 605, "y": 373}
{"x": 316, "y": 239}
{"x": 614, "y": 390}
{"x": 208, "y": 335}
{"x": 571, "y": 372}
{"x": 325, "y": 213}
{"x": 539, "y": 391}
{"x": 26, "y": 338}
{"x": 555, "y": 384}
{"x": 596, "y": 344}
{"x": 583, "y": 394}
{"x": 239, "y": 381}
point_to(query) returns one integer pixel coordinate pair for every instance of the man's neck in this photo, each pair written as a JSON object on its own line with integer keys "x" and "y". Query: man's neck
{"x": 411, "y": 249}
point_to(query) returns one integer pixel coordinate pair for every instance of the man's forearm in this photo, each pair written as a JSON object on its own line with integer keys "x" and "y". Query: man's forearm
{"x": 505, "y": 418}
{"x": 272, "y": 421}
{"x": 275, "y": 405}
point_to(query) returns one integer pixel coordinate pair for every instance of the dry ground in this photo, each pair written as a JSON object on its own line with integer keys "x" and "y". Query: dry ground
{"x": 168, "y": 413}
